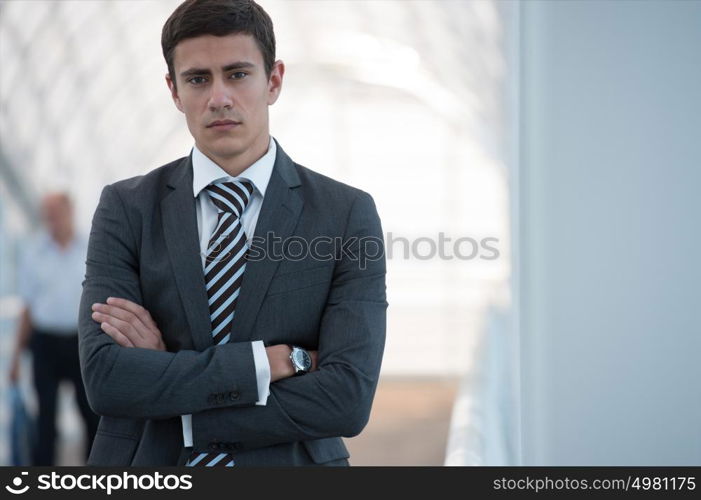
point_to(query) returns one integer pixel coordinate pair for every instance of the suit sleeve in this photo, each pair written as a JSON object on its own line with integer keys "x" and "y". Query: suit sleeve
{"x": 334, "y": 400}
{"x": 144, "y": 383}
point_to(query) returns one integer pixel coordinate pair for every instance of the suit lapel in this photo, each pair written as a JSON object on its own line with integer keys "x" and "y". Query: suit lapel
{"x": 278, "y": 217}
{"x": 180, "y": 232}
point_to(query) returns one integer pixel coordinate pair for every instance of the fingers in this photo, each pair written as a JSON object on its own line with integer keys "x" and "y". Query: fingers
{"x": 104, "y": 312}
{"x": 140, "y": 312}
{"x": 129, "y": 324}
{"x": 123, "y": 328}
{"x": 118, "y": 336}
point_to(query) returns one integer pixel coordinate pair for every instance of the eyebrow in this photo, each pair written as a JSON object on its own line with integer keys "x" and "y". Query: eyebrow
{"x": 228, "y": 67}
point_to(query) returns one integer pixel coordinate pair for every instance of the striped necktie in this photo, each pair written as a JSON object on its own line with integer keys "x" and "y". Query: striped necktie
{"x": 225, "y": 264}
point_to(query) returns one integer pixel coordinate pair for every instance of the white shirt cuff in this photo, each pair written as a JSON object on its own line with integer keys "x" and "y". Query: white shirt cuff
{"x": 187, "y": 429}
{"x": 260, "y": 359}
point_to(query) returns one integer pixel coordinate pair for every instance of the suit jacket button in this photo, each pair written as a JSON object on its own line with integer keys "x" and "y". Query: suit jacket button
{"x": 220, "y": 398}
{"x": 234, "y": 395}
{"x": 213, "y": 446}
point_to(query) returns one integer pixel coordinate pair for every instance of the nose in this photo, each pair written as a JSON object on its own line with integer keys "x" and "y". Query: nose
{"x": 220, "y": 96}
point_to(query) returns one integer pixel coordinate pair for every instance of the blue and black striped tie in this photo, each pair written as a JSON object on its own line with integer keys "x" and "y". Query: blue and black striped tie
{"x": 225, "y": 263}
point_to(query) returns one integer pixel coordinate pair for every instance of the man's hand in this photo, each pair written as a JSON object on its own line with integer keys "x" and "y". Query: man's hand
{"x": 280, "y": 362}
{"x": 13, "y": 376}
{"x": 129, "y": 324}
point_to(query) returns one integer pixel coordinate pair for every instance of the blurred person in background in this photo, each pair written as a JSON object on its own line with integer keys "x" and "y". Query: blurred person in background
{"x": 51, "y": 270}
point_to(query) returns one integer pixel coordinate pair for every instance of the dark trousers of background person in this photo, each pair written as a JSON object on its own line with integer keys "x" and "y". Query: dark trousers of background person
{"x": 55, "y": 358}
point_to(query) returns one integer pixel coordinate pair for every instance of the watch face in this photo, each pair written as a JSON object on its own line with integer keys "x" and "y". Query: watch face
{"x": 302, "y": 359}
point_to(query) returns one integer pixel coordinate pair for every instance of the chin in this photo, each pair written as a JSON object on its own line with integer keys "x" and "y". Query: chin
{"x": 226, "y": 147}
{"x": 228, "y": 152}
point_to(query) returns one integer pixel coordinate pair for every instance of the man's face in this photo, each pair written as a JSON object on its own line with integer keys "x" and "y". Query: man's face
{"x": 224, "y": 92}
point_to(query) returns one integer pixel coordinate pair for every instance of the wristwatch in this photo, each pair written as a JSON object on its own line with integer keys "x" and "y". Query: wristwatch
{"x": 301, "y": 360}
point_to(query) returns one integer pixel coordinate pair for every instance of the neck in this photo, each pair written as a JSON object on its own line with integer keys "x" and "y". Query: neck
{"x": 63, "y": 238}
{"x": 234, "y": 165}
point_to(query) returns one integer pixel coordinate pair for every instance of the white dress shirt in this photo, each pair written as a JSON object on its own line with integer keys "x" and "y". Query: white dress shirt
{"x": 205, "y": 172}
{"x": 50, "y": 282}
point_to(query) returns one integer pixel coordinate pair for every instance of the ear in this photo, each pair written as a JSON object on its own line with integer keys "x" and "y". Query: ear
{"x": 275, "y": 81}
{"x": 174, "y": 92}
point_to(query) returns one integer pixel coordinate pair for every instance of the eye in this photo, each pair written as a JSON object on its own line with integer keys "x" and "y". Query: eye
{"x": 197, "y": 80}
{"x": 238, "y": 75}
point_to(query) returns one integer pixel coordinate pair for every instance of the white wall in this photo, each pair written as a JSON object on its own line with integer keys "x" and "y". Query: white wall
{"x": 609, "y": 229}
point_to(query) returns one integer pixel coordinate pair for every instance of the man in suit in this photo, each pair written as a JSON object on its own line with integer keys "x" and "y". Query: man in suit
{"x": 214, "y": 280}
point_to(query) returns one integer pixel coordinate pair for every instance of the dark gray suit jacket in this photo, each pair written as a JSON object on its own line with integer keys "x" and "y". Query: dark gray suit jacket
{"x": 144, "y": 247}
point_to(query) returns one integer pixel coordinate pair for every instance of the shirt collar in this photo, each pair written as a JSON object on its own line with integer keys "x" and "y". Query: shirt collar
{"x": 205, "y": 171}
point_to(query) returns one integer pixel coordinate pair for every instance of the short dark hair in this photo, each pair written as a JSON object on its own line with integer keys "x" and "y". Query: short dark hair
{"x": 194, "y": 18}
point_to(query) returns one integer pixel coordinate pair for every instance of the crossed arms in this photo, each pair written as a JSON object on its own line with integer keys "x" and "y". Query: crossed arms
{"x": 143, "y": 380}
{"x": 131, "y": 325}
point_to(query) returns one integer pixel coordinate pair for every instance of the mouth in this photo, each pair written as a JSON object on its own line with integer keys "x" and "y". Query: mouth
{"x": 223, "y": 124}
